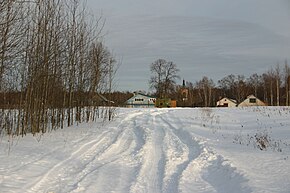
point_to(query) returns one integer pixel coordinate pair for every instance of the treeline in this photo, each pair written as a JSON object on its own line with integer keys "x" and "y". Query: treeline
{"x": 273, "y": 87}
{"x": 53, "y": 65}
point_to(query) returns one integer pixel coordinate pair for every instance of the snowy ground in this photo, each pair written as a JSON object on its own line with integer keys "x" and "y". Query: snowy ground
{"x": 156, "y": 150}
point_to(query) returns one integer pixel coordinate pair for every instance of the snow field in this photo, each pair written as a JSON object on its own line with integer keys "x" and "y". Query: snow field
{"x": 212, "y": 150}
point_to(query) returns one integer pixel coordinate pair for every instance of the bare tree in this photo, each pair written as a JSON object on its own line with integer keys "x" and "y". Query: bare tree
{"x": 10, "y": 15}
{"x": 227, "y": 84}
{"x": 278, "y": 83}
{"x": 287, "y": 83}
{"x": 156, "y": 81}
{"x": 234, "y": 87}
{"x": 205, "y": 89}
{"x": 254, "y": 81}
{"x": 54, "y": 58}
{"x": 240, "y": 88}
{"x": 163, "y": 79}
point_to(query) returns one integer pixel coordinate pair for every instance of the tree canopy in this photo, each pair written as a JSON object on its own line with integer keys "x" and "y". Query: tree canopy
{"x": 163, "y": 79}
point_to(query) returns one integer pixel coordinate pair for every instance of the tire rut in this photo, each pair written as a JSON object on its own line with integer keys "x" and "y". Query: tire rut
{"x": 209, "y": 166}
{"x": 194, "y": 150}
{"x": 78, "y": 163}
{"x": 121, "y": 151}
{"x": 151, "y": 169}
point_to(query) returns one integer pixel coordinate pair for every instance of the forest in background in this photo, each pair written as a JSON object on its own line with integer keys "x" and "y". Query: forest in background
{"x": 53, "y": 65}
{"x": 273, "y": 86}
{"x": 55, "y": 70}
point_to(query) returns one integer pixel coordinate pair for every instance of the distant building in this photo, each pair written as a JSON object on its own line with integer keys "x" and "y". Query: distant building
{"x": 184, "y": 92}
{"x": 251, "y": 100}
{"x": 165, "y": 103}
{"x": 141, "y": 101}
{"x": 226, "y": 102}
{"x": 102, "y": 100}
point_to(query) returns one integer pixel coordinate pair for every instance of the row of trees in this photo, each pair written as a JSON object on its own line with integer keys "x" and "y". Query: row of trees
{"x": 273, "y": 86}
{"x": 53, "y": 64}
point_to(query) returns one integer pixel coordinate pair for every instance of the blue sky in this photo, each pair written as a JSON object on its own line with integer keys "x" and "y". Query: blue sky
{"x": 211, "y": 38}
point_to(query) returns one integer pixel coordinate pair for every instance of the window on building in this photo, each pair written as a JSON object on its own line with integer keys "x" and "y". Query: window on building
{"x": 139, "y": 99}
{"x": 252, "y": 100}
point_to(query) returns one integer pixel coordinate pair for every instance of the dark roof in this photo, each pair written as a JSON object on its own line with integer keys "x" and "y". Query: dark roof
{"x": 234, "y": 101}
{"x": 103, "y": 98}
{"x": 137, "y": 93}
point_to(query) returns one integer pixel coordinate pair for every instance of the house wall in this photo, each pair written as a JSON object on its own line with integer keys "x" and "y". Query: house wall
{"x": 141, "y": 101}
{"x": 225, "y": 101}
{"x": 247, "y": 102}
{"x": 173, "y": 103}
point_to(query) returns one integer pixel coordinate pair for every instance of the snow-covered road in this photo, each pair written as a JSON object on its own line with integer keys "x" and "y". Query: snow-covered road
{"x": 152, "y": 151}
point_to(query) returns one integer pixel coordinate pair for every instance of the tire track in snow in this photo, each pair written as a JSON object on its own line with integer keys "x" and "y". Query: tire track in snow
{"x": 126, "y": 158}
{"x": 55, "y": 174}
{"x": 185, "y": 140}
{"x": 83, "y": 161}
{"x": 132, "y": 157}
{"x": 36, "y": 159}
{"x": 151, "y": 170}
{"x": 104, "y": 158}
{"x": 209, "y": 172}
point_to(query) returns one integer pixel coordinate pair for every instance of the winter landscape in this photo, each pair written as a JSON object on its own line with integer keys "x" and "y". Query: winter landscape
{"x": 167, "y": 96}
{"x": 222, "y": 150}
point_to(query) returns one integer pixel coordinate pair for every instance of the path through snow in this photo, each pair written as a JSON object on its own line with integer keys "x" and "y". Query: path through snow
{"x": 144, "y": 150}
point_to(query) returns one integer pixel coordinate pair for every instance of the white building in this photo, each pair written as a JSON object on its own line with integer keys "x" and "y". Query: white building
{"x": 226, "y": 102}
{"x": 251, "y": 100}
{"x": 141, "y": 101}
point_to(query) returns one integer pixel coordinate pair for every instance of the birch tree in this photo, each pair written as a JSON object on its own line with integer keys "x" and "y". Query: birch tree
{"x": 287, "y": 83}
{"x": 205, "y": 89}
{"x": 278, "y": 83}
